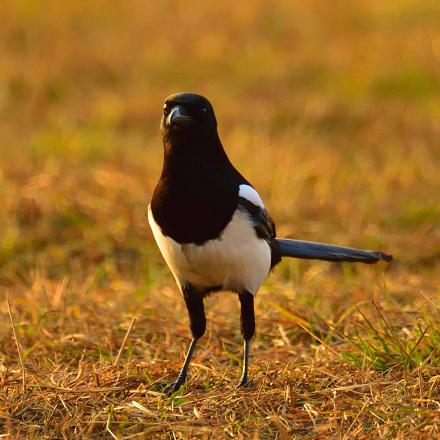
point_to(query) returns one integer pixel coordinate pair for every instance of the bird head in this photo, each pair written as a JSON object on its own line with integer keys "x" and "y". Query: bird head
{"x": 187, "y": 117}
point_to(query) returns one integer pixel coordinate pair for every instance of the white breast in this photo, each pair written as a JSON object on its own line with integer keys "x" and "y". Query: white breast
{"x": 238, "y": 260}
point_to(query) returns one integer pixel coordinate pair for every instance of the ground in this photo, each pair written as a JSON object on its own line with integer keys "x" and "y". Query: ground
{"x": 331, "y": 109}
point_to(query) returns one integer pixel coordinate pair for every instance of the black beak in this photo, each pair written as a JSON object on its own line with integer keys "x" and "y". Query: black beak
{"x": 178, "y": 116}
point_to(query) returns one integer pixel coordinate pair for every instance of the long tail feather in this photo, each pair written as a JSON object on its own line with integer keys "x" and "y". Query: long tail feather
{"x": 320, "y": 251}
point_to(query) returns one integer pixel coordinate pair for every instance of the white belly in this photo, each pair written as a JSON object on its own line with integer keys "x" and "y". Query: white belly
{"x": 238, "y": 260}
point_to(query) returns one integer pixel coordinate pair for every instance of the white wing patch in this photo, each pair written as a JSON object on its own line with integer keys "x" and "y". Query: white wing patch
{"x": 249, "y": 193}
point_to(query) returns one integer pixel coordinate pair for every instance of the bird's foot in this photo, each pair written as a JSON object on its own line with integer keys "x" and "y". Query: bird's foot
{"x": 244, "y": 382}
{"x": 176, "y": 385}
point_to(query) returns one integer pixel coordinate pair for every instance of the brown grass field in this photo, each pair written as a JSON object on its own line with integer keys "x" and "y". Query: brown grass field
{"x": 331, "y": 109}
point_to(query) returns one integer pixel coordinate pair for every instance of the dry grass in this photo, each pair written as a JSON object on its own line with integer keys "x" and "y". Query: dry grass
{"x": 331, "y": 109}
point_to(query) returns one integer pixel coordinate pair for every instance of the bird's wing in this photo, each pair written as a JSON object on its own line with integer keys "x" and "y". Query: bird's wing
{"x": 262, "y": 223}
{"x": 250, "y": 201}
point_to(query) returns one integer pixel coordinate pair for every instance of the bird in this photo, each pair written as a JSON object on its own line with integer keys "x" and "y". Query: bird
{"x": 212, "y": 227}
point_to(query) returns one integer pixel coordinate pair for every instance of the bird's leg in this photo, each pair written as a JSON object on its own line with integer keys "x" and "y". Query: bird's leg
{"x": 244, "y": 381}
{"x": 181, "y": 378}
{"x": 196, "y": 312}
{"x": 247, "y": 319}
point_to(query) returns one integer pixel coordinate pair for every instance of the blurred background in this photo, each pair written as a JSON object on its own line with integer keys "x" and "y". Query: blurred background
{"x": 332, "y": 111}
{"x": 330, "y": 108}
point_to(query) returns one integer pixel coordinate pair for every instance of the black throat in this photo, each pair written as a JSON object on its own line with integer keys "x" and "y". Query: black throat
{"x": 197, "y": 193}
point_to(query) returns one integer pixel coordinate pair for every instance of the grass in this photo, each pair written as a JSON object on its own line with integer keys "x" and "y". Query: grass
{"x": 331, "y": 109}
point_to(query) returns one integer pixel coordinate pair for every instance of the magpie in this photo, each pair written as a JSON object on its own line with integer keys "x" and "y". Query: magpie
{"x": 211, "y": 225}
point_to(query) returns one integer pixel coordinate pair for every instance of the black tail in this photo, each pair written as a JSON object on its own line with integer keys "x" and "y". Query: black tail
{"x": 320, "y": 251}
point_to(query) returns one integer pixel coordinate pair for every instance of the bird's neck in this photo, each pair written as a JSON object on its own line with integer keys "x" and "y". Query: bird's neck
{"x": 187, "y": 155}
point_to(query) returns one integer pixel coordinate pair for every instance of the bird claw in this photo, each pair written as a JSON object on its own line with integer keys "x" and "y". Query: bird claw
{"x": 244, "y": 382}
{"x": 175, "y": 386}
